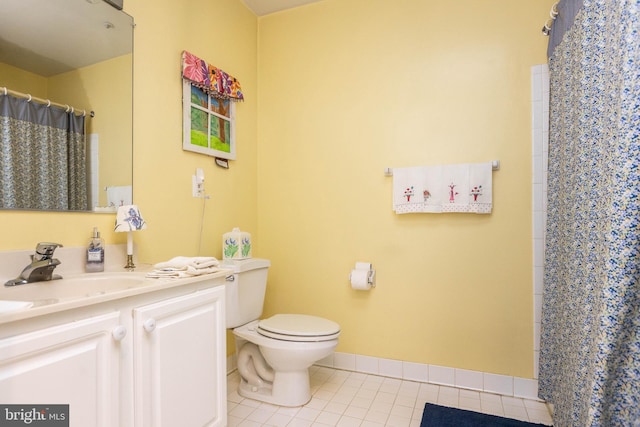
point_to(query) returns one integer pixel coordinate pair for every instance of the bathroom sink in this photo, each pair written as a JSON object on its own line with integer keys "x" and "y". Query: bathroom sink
{"x": 72, "y": 287}
{"x": 9, "y": 306}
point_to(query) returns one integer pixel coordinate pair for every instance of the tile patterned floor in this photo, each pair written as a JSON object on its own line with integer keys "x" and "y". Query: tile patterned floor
{"x": 346, "y": 399}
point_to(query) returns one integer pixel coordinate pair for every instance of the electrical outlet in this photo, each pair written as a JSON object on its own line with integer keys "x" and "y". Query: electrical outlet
{"x": 195, "y": 190}
{"x": 197, "y": 184}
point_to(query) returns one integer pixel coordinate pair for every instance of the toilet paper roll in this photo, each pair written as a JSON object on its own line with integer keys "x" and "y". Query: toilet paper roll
{"x": 363, "y": 266}
{"x": 359, "y": 279}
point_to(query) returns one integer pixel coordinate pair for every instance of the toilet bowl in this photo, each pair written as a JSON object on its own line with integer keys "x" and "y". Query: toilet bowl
{"x": 275, "y": 354}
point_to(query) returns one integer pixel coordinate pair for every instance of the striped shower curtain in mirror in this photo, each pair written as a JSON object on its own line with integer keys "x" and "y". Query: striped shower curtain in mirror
{"x": 590, "y": 337}
{"x": 42, "y": 156}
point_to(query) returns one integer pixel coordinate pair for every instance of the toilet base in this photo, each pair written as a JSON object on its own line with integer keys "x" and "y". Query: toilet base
{"x": 289, "y": 388}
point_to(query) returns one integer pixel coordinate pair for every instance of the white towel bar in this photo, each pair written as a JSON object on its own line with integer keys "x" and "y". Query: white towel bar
{"x": 495, "y": 165}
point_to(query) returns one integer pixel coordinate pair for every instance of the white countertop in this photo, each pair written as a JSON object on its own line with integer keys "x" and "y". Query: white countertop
{"x": 51, "y": 302}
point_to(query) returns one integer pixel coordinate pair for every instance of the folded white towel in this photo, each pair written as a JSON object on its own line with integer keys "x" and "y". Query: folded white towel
{"x": 182, "y": 262}
{"x": 166, "y": 273}
{"x": 198, "y": 271}
{"x": 177, "y": 273}
{"x": 205, "y": 262}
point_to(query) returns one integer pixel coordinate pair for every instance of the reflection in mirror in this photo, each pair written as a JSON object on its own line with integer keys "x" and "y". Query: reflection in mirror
{"x": 61, "y": 61}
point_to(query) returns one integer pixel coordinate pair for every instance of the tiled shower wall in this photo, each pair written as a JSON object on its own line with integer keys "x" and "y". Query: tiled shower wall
{"x": 474, "y": 380}
{"x": 540, "y": 152}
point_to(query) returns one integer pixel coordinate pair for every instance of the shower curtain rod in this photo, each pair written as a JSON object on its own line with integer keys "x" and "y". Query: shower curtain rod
{"x": 69, "y": 109}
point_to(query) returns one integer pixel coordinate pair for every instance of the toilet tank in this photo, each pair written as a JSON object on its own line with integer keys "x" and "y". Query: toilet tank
{"x": 245, "y": 289}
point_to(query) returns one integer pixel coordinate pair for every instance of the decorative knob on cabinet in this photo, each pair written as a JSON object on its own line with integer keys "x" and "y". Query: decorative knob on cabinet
{"x": 119, "y": 332}
{"x": 149, "y": 325}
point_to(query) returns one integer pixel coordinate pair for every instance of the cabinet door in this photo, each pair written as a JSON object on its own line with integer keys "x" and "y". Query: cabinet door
{"x": 75, "y": 363}
{"x": 180, "y": 361}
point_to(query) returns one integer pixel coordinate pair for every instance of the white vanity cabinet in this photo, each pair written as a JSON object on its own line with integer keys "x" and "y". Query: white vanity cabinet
{"x": 76, "y": 363}
{"x": 180, "y": 361}
{"x": 148, "y": 359}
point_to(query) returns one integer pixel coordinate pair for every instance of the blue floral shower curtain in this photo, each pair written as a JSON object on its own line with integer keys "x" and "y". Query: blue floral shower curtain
{"x": 590, "y": 340}
{"x": 42, "y": 156}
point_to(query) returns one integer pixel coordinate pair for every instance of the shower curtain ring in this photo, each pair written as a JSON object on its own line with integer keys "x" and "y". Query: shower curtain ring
{"x": 68, "y": 108}
{"x": 48, "y": 103}
{"x": 554, "y": 11}
{"x": 29, "y": 99}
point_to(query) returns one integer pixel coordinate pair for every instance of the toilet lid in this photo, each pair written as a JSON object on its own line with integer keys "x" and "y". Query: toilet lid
{"x": 298, "y": 327}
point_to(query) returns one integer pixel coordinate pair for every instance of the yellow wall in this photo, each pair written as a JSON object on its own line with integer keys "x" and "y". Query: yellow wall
{"x": 223, "y": 32}
{"x": 349, "y": 87}
{"x": 23, "y": 81}
{"x": 92, "y": 88}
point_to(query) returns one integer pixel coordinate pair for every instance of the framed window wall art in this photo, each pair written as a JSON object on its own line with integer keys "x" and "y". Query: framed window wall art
{"x": 208, "y": 123}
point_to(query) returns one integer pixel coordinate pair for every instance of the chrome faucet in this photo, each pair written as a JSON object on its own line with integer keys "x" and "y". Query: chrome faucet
{"x": 41, "y": 267}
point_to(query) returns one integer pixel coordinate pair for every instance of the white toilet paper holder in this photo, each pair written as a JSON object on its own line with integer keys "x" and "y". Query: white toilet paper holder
{"x": 371, "y": 278}
{"x": 371, "y": 274}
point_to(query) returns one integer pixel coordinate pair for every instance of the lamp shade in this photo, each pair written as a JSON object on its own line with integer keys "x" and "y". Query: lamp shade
{"x": 128, "y": 218}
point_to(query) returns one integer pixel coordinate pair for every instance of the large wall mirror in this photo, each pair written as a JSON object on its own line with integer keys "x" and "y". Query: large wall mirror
{"x": 69, "y": 59}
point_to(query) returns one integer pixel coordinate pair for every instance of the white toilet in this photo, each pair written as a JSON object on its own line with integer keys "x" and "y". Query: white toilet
{"x": 274, "y": 354}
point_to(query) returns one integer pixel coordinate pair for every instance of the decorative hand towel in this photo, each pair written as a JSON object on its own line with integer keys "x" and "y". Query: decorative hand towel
{"x": 443, "y": 188}
{"x": 119, "y": 196}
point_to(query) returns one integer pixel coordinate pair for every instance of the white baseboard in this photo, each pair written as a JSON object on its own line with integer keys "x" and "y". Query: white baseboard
{"x": 453, "y": 377}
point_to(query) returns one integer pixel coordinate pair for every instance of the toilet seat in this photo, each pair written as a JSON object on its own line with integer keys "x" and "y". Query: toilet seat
{"x": 298, "y": 328}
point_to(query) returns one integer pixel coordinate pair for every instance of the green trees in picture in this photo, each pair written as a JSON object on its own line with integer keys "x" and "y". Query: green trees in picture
{"x": 220, "y": 126}
{"x": 199, "y": 127}
{"x": 209, "y": 123}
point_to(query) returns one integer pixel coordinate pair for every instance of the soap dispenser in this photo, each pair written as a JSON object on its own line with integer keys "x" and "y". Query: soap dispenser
{"x": 95, "y": 253}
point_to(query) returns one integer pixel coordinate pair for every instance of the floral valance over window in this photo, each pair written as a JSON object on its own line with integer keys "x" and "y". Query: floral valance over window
{"x": 210, "y": 79}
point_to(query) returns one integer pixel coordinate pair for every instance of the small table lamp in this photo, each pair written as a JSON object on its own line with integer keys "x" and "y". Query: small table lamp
{"x": 128, "y": 219}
